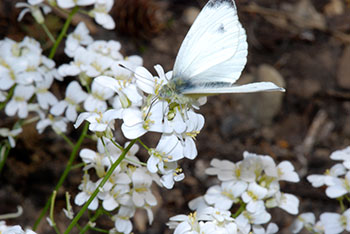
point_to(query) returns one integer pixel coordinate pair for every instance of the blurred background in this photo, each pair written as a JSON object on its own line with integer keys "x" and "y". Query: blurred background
{"x": 302, "y": 45}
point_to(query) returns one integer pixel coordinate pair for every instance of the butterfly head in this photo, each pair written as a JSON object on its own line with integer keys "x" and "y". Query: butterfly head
{"x": 166, "y": 92}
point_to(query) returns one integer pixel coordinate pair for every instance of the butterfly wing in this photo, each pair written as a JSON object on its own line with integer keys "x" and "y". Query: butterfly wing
{"x": 215, "y": 47}
{"x": 204, "y": 89}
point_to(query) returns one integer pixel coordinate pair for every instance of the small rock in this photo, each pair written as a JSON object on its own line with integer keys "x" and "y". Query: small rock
{"x": 334, "y": 8}
{"x": 343, "y": 77}
{"x": 200, "y": 167}
{"x": 305, "y": 16}
{"x": 264, "y": 105}
{"x": 308, "y": 88}
{"x": 190, "y": 14}
{"x": 235, "y": 125}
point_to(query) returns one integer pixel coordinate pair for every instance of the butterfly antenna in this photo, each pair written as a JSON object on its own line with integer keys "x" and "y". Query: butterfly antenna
{"x": 150, "y": 107}
{"x": 130, "y": 70}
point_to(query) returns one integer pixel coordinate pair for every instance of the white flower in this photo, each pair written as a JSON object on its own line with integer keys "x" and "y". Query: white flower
{"x": 251, "y": 167}
{"x": 141, "y": 191}
{"x": 171, "y": 173}
{"x": 135, "y": 123}
{"x": 18, "y": 103}
{"x": 168, "y": 150}
{"x": 98, "y": 65}
{"x": 224, "y": 196}
{"x": 73, "y": 3}
{"x": 328, "y": 177}
{"x": 285, "y": 201}
{"x": 184, "y": 224}
{"x": 4, "y": 229}
{"x": 193, "y": 124}
{"x": 34, "y": 8}
{"x": 82, "y": 58}
{"x": 271, "y": 228}
{"x": 128, "y": 93}
{"x": 96, "y": 101}
{"x": 74, "y": 96}
{"x": 335, "y": 223}
{"x": 80, "y": 36}
{"x": 44, "y": 96}
{"x": 107, "y": 48}
{"x": 10, "y": 134}
{"x": 99, "y": 122}
{"x": 116, "y": 196}
{"x": 151, "y": 84}
{"x": 2, "y": 95}
{"x": 343, "y": 155}
{"x": 224, "y": 169}
{"x": 221, "y": 222}
{"x": 100, "y": 13}
{"x": 58, "y": 124}
{"x": 93, "y": 160}
{"x": 253, "y": 196}
{"x": 287, "y": 172}
{"x": 87, "y": 187}
{"x": 246, "y": 218}
{"x": 306, "y": 220}
{"x": 339, "y": 187}
{"x": 122, "y": 221}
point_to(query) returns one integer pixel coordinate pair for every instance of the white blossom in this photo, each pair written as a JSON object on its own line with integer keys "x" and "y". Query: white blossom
{"x": 335, "y": 223}
{"x": 73, "y": 3}
{"x": 80, "y": 36}
{"x": 18, "y": 103}
{"x": 34, "y": 7}
{"x": 87, "y": 187}
{"x": 74, "y": 96}
{"x": 343, "y": 155}
{"x": 339, "y": 187}
{"x": 100, "y": 13}
{"x": 10, "y": 134}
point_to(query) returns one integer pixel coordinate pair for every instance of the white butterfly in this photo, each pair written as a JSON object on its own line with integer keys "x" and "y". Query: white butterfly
{"x": 212, "y": 57}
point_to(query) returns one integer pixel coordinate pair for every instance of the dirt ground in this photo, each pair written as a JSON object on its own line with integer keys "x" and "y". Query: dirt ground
{"x": 303, "y": 45}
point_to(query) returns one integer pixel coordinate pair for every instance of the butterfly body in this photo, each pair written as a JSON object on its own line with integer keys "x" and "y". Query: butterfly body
{"x": 173, "y": 91}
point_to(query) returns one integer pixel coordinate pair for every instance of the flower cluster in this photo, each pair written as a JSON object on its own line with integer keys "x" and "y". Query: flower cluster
{"x": 337, "y": 181}
{"x": 4, "y": 229}
{"x": 26, "y": 77}
{"x": 100, "y": 10}
{"x": 127, "y": 189}
{"x": 247, "y": 187}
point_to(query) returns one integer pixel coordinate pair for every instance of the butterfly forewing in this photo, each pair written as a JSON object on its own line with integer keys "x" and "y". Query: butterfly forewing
{"x": 214, "y": 38}
{"x": 229, "y": 70}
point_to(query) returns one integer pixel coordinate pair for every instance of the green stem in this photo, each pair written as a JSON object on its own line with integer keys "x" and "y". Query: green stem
{"x": 64, "y": 174}
{"x": 8, "y": 97}
{"x": 12, "y": 215}
{"x": 97, "y": 190}
{"x": 48, "y": 33}
{"x": 341, "y": 202}
{"x": 52, "y": 208}
{"x": 144, "y": 146}
{"x": 5, "y": 155}
{"x": 67, "y": 139}
{"x": 63, "y": 32}
{"x": 93, "y": 219}
{"x": 99, "y": 230}
{"x": 240, "y": 210}
{"x": 116, "y": 145}
{"x": 79, "y": 165}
